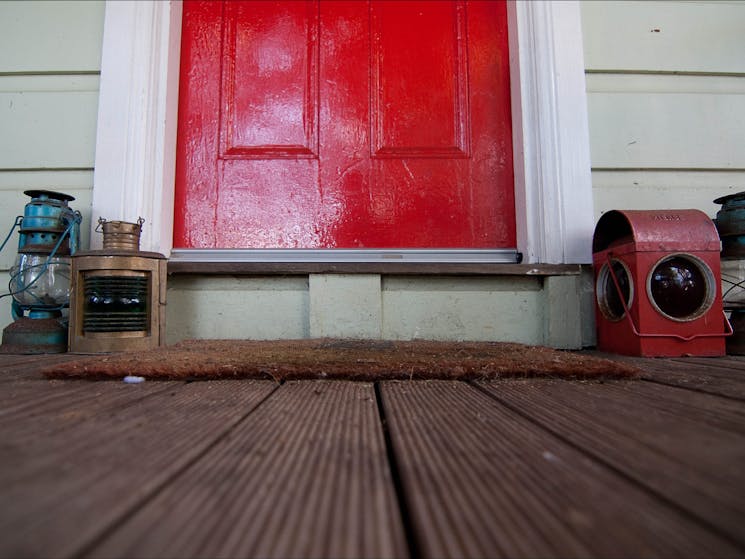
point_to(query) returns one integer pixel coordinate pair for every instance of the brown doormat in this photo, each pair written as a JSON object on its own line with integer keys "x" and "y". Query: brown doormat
{"x": 366, "y": 360}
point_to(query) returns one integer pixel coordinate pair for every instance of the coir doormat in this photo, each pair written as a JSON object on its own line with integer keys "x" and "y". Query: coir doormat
{"x": 341, "y": 359}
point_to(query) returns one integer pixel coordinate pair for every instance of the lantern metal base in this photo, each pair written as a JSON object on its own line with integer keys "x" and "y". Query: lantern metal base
{"x": 27, "y": 336}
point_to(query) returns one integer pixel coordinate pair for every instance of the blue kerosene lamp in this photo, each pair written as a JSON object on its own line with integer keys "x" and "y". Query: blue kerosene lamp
{"x": 49, "y": 234}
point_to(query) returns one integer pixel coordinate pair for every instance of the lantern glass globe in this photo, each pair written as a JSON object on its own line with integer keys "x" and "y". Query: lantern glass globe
{"x": 36, "y": 283}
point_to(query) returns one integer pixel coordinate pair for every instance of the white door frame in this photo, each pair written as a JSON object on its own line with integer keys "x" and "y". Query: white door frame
{"x": 137, "y": 117}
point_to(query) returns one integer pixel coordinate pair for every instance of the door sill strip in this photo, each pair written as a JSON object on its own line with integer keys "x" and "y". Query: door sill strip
{"x": 427, "y": 256}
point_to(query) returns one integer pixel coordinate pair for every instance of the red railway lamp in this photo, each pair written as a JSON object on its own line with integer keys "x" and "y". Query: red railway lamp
{"x": 658, "y": 284}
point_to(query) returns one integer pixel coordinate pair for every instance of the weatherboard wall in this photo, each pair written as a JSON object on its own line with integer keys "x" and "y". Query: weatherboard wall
{"x": 666, "y": 101}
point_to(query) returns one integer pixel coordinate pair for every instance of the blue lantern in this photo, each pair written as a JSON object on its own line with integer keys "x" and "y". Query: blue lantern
{"x": 49, "y": 234}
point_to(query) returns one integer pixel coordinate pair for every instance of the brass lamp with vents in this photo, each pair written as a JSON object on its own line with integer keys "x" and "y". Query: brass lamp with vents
{"x": 118, "y": 294}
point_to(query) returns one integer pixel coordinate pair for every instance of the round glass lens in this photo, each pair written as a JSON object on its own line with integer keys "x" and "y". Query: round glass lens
{"x": 678, "y": 287}
{"x": 613, "y": 302}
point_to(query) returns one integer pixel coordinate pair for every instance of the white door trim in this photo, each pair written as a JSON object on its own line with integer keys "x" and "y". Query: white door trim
{"x": 553, "y": 186}
{"x": 137, "y": 114}
{"x": 137, "y": 117}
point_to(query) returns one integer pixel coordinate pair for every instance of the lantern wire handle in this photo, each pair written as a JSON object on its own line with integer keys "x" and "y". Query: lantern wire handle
{"x": 17, "y": 223}
{"x": 733, "y": 285}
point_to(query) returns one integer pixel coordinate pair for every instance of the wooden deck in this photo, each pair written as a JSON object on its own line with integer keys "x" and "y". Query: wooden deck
{"x": 515, "y": 468}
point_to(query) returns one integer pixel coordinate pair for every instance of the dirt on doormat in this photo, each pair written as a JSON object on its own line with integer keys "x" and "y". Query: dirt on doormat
{"x": 363, "y": 360}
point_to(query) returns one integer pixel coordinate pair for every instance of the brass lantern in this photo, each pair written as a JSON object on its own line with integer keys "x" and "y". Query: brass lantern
{"x": 118, "y": 294}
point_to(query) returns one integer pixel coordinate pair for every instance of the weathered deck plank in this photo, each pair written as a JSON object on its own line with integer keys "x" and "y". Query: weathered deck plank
{"x": 728, "y": 363}
{"x": 513, "y": 468}
{"x": 483, "y": 481}
{"x": 72, "y": 472}
{"x": 32, "y": 404}
{"x": 305, "y": 475}
{"x": 31, "y": 398}
{"x": 709, "y": 375}
{"x": 14, "y": 367}
{"x": 685, "y": 446}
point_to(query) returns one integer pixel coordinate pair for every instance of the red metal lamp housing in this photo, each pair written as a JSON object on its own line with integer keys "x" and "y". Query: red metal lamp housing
{"x": 658, "y": 284}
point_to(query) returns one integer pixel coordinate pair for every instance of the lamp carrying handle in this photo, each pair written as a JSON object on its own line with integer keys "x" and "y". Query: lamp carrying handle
{"x": 102, "y": 222}
{"x": 16, "y": 223}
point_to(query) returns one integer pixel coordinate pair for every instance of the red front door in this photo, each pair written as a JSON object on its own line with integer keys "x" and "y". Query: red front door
{"x": 344, "y": 124}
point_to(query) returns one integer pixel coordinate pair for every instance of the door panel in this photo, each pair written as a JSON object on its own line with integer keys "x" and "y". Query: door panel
{"x": 269, "y": 86}
{"x": 419, "y": 80}
{"x": 339, "y": 124}
{"x": 198, "y": 127}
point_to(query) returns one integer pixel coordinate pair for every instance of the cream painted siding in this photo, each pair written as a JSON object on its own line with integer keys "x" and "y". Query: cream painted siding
{"x": 666, "y": 99}
{"x": 50, "y": 60}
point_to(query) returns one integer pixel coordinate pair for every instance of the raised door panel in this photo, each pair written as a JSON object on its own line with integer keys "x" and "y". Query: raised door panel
{"x": 267, "y": 168}
{"x": 419, "y": 93}
{"x": 198, "y": 126}
{"x": 269, "y": 86}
